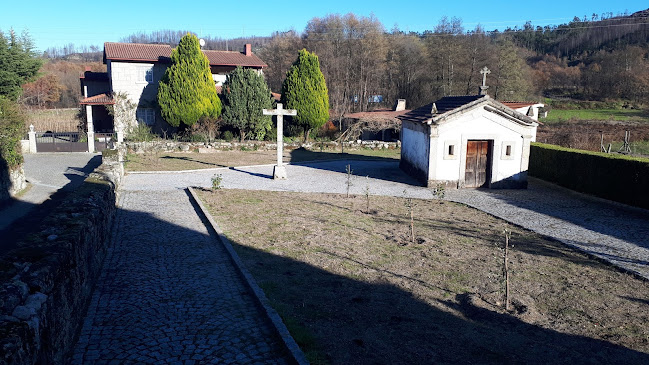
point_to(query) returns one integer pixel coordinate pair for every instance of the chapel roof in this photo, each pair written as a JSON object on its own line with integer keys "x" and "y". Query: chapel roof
{"x": 138, "y": 52}
{"x": 449, "y": 106}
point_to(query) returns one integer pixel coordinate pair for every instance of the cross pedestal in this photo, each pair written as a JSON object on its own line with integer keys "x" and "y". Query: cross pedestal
{"x": 279, "y": 172}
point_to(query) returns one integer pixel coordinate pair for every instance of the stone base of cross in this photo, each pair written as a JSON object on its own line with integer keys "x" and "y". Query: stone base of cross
{"x": 279, "y": 171}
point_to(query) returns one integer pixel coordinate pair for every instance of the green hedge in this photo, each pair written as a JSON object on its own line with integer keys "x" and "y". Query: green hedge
{"x": 611, "y": 176}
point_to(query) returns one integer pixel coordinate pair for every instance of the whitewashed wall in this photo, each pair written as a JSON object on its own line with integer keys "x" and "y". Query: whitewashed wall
{"x": 415, "y": 147}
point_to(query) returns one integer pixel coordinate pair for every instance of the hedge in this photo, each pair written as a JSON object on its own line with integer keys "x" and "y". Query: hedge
{"x": 610, "y": 176}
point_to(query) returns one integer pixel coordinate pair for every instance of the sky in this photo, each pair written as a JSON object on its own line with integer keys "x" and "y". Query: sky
{"x": 56, "y": 23}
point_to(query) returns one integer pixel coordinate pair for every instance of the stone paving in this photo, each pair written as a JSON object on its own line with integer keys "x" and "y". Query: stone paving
{"x": 168, "y": 293}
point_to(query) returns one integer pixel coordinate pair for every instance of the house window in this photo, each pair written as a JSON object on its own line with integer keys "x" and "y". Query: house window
{"x": 508, "y": 150}
{"x": 145, "y": 74}
{"x": 145, "y": 116}
{"x": 451, "y": 150}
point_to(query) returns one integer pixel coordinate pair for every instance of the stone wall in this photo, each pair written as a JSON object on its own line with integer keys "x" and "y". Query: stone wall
{"x": 11, "y": 182}
{"x": 45, "y": 283}
{"x": 206, "y": 147}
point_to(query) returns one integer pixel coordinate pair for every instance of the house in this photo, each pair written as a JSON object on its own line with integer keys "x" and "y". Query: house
{"x": 376, "y": 125}
{"x": 467, "y": 141}
{"x": 528, "y": 108}
{"x": 135, "y": 70}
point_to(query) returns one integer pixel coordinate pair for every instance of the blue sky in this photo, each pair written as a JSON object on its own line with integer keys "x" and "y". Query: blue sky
{"x": 55, "y": 23}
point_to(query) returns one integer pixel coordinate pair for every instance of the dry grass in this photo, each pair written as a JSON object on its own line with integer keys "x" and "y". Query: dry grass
{"x": 353, "y": 289}
{"x": 223, "y": 158}
{"x": 54, "y": 120}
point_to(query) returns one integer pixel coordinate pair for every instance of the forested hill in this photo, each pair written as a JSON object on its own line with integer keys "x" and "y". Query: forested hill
{"x": 583, "y": 37}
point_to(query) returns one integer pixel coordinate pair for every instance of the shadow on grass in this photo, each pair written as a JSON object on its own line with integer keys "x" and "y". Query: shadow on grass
{"x": 193, "y": 160}
{"x": 351, "y": 321}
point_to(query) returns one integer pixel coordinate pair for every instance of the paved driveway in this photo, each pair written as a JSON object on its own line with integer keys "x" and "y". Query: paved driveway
{"x": 48, "y": 173}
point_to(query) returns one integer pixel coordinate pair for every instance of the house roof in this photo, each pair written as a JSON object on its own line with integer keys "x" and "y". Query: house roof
{"x": 449, "y": 106}
{"x": 101, "y": 99}
{"x": 138, "y": 52}
{"x": 518, "y": 104}
{"x": 380, "y": 114}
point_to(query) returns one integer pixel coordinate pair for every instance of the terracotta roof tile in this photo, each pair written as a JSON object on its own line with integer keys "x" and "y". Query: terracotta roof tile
{"x": 162, "y": 53}
{"x": 517, "y": 104}
{"x": 101, "y": 99}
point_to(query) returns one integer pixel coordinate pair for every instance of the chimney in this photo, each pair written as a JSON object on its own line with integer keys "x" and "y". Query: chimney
{"x": 88, "y": 68}
{"x": 248, "y": 50}
{"x": 401, "y": 105}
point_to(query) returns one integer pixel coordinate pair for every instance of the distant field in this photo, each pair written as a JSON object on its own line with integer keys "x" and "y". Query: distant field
{"x": 563, "y": 115}
{"x": 55, "y": 120}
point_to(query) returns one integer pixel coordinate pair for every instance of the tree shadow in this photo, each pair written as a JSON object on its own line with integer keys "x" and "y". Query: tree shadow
{"x": 189, "y": 159}
{"x": 353, "y": 321}
{"x": 381, "y": 168}
{"x": 608, "y": 218}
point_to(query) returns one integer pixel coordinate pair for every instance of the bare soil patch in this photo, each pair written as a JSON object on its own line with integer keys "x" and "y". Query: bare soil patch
{"x": 222, "y": 158}
{"x": 352, "y": 288}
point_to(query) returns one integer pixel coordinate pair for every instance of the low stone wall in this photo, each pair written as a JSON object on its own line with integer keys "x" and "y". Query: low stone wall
{"x": 11, "y": 182}
{"x": 207, "y": 147}
{"x": 45, "y": 283}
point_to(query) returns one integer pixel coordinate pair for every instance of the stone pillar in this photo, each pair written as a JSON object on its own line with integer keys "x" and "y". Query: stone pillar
{"x": 32, "y": 139}
{"x": 91, "y": 129}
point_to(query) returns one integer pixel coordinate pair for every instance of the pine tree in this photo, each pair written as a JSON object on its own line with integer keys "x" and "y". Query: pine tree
{"x": 18, "y": 64}
{"x": 186, "y": 92}
{"x": 245, "y": 94}
{"x": 305, "y": 90}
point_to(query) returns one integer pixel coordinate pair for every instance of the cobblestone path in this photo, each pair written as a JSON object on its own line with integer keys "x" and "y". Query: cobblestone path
{"x": 611, "y": 231}
{"x": 168, "y": 293}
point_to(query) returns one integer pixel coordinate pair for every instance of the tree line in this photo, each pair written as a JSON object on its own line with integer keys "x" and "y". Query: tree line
{"x": 366, "y": 66}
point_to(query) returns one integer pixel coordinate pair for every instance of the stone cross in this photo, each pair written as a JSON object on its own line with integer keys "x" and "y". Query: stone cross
{"x": 279, "y": 172}
{"x": 483, "y": 89}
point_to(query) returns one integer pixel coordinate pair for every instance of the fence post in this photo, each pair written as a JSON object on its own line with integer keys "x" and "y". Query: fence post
{"x": 32, "y": 139}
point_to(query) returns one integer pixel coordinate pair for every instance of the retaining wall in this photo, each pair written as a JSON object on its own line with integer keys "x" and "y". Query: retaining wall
{"x": 206, "y": 147}
{"x": 45, "y": 283}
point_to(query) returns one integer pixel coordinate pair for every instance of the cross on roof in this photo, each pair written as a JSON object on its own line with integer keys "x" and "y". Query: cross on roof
{"x": 483, "y": 89}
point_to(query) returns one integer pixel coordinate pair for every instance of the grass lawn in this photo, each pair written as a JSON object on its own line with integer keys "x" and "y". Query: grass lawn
{"x": 191, "y": 160}
{"x": 353, "y": 288}
{"x": 562, "y": 115}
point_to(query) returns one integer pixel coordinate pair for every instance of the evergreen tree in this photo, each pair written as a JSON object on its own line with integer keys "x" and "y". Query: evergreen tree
{"x": 18, "y": 64}
{"x": 245, "y": 94}
{"x": 186, "y": 92}
{"x": 305, "y": 90}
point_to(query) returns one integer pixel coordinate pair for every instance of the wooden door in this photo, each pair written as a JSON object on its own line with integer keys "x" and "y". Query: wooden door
{"x": 478, "y": 163}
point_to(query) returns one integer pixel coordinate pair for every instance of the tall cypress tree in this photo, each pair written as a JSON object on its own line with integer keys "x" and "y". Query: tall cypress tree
{"x": 245, "y": 94}
{"x": 305, "y": 90}
{"x": 187, "y": 92}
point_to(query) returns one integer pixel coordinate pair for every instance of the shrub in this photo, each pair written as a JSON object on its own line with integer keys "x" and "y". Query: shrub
{"x": 12, "y": 128}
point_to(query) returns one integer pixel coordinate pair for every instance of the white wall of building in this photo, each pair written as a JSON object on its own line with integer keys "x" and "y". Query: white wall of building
{"x": 415, "y": 146}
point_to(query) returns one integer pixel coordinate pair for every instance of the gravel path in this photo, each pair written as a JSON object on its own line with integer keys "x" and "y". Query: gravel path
{"x": 614, "y": 232}
{"x": 169, "y": 294}
{"x": 611, "y": 231}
